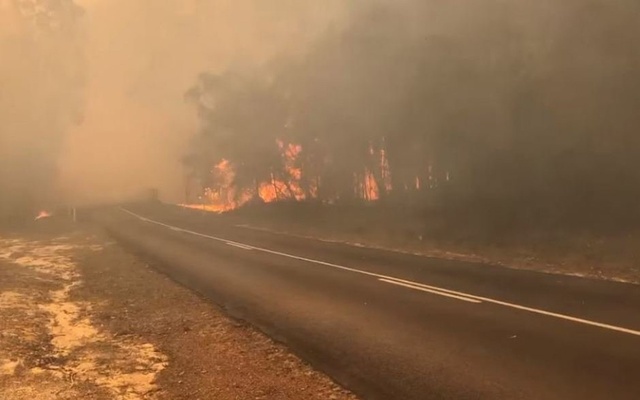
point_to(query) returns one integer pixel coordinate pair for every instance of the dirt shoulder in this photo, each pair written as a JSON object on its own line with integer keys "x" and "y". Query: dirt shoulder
{"x": 81, "y": 318}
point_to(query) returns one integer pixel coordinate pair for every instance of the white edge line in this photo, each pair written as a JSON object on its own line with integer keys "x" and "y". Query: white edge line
{"x": 471, "y": 296}
{"x": 416, "y": 287}
{"x": 525, "y": 308}
{"x": 240, "y": 246}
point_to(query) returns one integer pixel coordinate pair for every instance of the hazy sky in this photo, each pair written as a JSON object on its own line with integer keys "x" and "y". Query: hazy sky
{"x": 99, "y": 110}
{"x": 141, "y": 56}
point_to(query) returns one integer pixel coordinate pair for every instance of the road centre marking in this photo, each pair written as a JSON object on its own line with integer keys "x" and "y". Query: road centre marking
{"x": 422, "y": 289}
{"x": 398, "y": 280}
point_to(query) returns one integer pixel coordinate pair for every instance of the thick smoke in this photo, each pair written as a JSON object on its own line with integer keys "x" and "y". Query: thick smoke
{"x": 91, "y": 91}
{"x": 527, "y": 108}
{"x": 515, "y": 111}
{"x": 141, "y": 57}
{"x": 41, "y": 81}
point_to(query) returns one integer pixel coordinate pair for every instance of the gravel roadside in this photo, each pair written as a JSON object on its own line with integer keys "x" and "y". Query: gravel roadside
{"x": 81, "y": 318}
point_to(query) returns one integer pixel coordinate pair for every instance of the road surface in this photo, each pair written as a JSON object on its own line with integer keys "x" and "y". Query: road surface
{"x": 395, "y": 326}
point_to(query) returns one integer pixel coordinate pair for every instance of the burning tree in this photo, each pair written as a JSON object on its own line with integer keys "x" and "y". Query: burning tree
{"x": 496, "y": 115}
{"x": 242, "y": 122}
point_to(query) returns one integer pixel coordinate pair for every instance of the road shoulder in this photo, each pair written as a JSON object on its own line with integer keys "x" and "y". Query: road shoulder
{"x": 83, "y": 318}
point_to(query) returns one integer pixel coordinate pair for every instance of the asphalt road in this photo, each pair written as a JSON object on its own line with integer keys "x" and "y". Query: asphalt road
{"x": 395, "y": 326}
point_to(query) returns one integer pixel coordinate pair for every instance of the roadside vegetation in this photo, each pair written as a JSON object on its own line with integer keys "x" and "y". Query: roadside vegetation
{"x": 513, "y": 127}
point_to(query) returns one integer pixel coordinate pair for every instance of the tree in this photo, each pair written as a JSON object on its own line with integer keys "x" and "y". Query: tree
{"x": 242, "y": 121}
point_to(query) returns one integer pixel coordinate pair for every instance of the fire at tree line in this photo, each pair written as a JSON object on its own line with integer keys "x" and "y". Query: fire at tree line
{"x": 497, "y": 124}
{"x": 510, "y": 118}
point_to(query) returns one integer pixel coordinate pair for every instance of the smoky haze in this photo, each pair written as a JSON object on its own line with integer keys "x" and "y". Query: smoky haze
{"x": 499, "y": 107}
{"x": 41, "y": 79}
{"x": 91, "y": 91}
{"x": 506, "y": 110}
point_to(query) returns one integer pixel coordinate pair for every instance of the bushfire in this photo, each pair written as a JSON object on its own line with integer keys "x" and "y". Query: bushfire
{"x": 221, "y": 194}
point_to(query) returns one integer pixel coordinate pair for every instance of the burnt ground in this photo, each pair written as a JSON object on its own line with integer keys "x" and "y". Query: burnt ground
{"x": 83, "y": 318}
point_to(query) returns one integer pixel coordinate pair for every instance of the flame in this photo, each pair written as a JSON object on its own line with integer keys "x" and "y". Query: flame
{"x": 204, "y": 207}
{"x": 371, "y": 190}
{"x": 290, "y": 187}
{"x": 282, "y": 186}
{"x": 42, "y": 215}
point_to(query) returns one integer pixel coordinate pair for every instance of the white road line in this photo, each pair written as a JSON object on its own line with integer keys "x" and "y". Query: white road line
{"x": 422, "y": 285}
{"x": 471, "y": 296}
{"x": 240, "y": 246}
{"x": 422, "y": 289}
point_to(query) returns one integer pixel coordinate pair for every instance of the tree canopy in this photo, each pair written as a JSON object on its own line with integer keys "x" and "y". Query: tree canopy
{"x": 520, "y": 112}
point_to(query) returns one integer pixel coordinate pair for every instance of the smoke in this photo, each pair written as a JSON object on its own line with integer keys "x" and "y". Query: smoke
{"x": 506, "y": 109}
{"x": 92, "y": 93}
{"x": 141, "y": 57}
{"x": 41, "y": 83}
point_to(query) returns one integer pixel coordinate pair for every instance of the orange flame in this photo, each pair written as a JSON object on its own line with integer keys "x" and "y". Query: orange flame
{"x": 285, "y": 186}
{"x": 43, "y": 214}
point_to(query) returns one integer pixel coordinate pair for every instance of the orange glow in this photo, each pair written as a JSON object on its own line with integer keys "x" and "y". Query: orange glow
{"x": 371, "y": 190}
{"x": 43, "y": 214}
{"x": 268, "y": 193}
{"x": 280, "y": 187}
{"x": 204, "y": 207}
{"x": 289, "y": 187}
